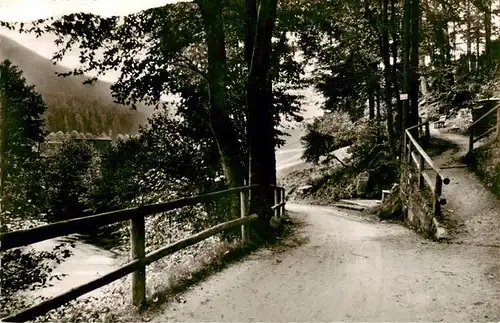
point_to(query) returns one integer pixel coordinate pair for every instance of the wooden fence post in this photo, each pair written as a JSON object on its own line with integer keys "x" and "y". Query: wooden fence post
{"x": 243, "y": 213}
{"x": 471, "y": 140}
{"x": 437, "y": 194}
{"x": 282, "y": 200}
{"x": 405, "y": 143}
{"x": 421, "y": 164}
{"x": 408, "y": 157}
{"x": 276, "y": 201}
{"x": 138, "y": 251}
{"x": 426, "y": 136}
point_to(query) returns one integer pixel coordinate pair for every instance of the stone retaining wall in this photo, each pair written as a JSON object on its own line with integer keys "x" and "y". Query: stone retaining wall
{"x": 418, "y": 207}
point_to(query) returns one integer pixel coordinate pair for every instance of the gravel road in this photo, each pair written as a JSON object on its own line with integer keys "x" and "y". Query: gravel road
{"x": 348, "y": 268}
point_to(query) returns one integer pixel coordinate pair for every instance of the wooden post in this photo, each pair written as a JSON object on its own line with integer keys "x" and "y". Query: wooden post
{"x": 471, "y": 140}
{"x": 421, "y": 164}
{"x": 405, "y": 143}
{"x": 437, "y": 194}
{"x": 408, "y": 152}
{"x": 138, "y": 250}
{"x": 426, "y": 135}
{"x": 243, "y": 213}
{"x": 282, "y": 200}
{"x": 276, "y": 201}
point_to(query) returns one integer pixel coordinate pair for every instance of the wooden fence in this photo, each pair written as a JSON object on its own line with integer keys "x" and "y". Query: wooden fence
{"x": 420, "y": 159}
{"x": 137, "y": 267}
{"x": 472, "y": 135}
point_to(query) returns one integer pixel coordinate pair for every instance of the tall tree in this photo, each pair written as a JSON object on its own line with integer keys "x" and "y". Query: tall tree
{"x": 220, "y": 124}
{"x": 385, "y": 53}
{"x": 406, "y": 62}
{"x": 414, "y": 61}
{"x": 259, "y": 104}
{"x": 395, "y": 73}
{"x": 21, "y": 130}
{"x": 468, "y": 36}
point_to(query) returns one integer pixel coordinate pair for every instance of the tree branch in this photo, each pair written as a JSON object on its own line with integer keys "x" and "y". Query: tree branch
{"x": 187, "y": 63}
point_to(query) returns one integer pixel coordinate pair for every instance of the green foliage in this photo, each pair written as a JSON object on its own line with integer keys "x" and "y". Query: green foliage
{"x": 339, "y": 183}
{"x": 344, "y": 87}
{"x": 325, "y": 135}
{"x": 22, "y": 131}
{"x": 88, "y": 116}
{"x": 368, "y": 150}
{"x": 69, "y": 177}
{"x": 488, "y": 166}
{"x": 27, "y": 270}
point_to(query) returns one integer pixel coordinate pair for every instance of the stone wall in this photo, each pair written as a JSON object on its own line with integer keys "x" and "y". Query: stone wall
{"x": 418, "y": 207}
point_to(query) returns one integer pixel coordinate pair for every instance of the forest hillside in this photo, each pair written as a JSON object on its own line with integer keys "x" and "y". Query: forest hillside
{"x": 71, "y": 104}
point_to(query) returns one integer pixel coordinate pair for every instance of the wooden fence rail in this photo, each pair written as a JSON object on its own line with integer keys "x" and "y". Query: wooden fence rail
{"x": 20, "y": 238}
{"x": 137, "y": 266}
{"x": 420, "y": 158}
{"x": 472, "y": 135}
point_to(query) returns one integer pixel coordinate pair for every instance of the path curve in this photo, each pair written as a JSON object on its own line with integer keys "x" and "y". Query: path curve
{"x": 349, "y": 269}
{"x": 473, "y": 208}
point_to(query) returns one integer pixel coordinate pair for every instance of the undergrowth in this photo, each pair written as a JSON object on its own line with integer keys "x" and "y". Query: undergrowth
{"x": 488, "y": 165}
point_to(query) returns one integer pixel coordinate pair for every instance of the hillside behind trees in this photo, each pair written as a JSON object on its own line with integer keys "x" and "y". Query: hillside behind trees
{"x": 71, "y": 104}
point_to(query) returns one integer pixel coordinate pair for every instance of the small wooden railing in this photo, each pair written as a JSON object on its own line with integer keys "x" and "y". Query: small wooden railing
{"x": 416, "y": 155}
{"x": 424, "y": 131}
{"x": 137, "y": 266}
{"x": 472, "y": 135}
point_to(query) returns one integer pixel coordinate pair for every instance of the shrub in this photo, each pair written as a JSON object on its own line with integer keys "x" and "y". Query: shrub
{"x": 327, "y": 134}
{"x": 26, "y": 269}
{"x": 368, "y": 150}
{"x": 69, "y": 179}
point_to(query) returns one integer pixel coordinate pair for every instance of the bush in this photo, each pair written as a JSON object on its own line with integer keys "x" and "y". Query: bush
{"x": 488, "y": 165}
{"x": 27, "y": 269}
{"x": 69, "y": 180}
{"x": 327, "y": 134}
{"x": 368, "y": 151}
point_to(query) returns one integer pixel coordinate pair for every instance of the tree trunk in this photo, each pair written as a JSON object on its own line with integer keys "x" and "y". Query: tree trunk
{"x": 468, "y": 37}
{"x": 260, "y": 115}
{"x": 377, "y": 100}
{"x": 395, "y": 74}
{"x": 251, "y": 24}
{"x": 220, "y": 123}
{"x": 478, "y": 43}
{"x": 387, "y": 75}
{"x": 487, "y": 32}
{"x": 3, "y": 126}
{"x": 406, "y": 62}
{"x": 454, "y": 41}
{"x": 371, "y": 90}
{"x": 446, "y": 44}
{"x": 414, "y": 83}
{"x": 371, "y": 102}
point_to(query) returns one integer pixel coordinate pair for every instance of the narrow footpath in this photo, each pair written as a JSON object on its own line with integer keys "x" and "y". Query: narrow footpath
{"x": 348, "y": 268}
{"x": 474, "y": 209}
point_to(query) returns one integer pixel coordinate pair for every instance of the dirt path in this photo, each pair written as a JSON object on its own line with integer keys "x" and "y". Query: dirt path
{"x": 473, "y": 208}
{"x": 349, "y": 269}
